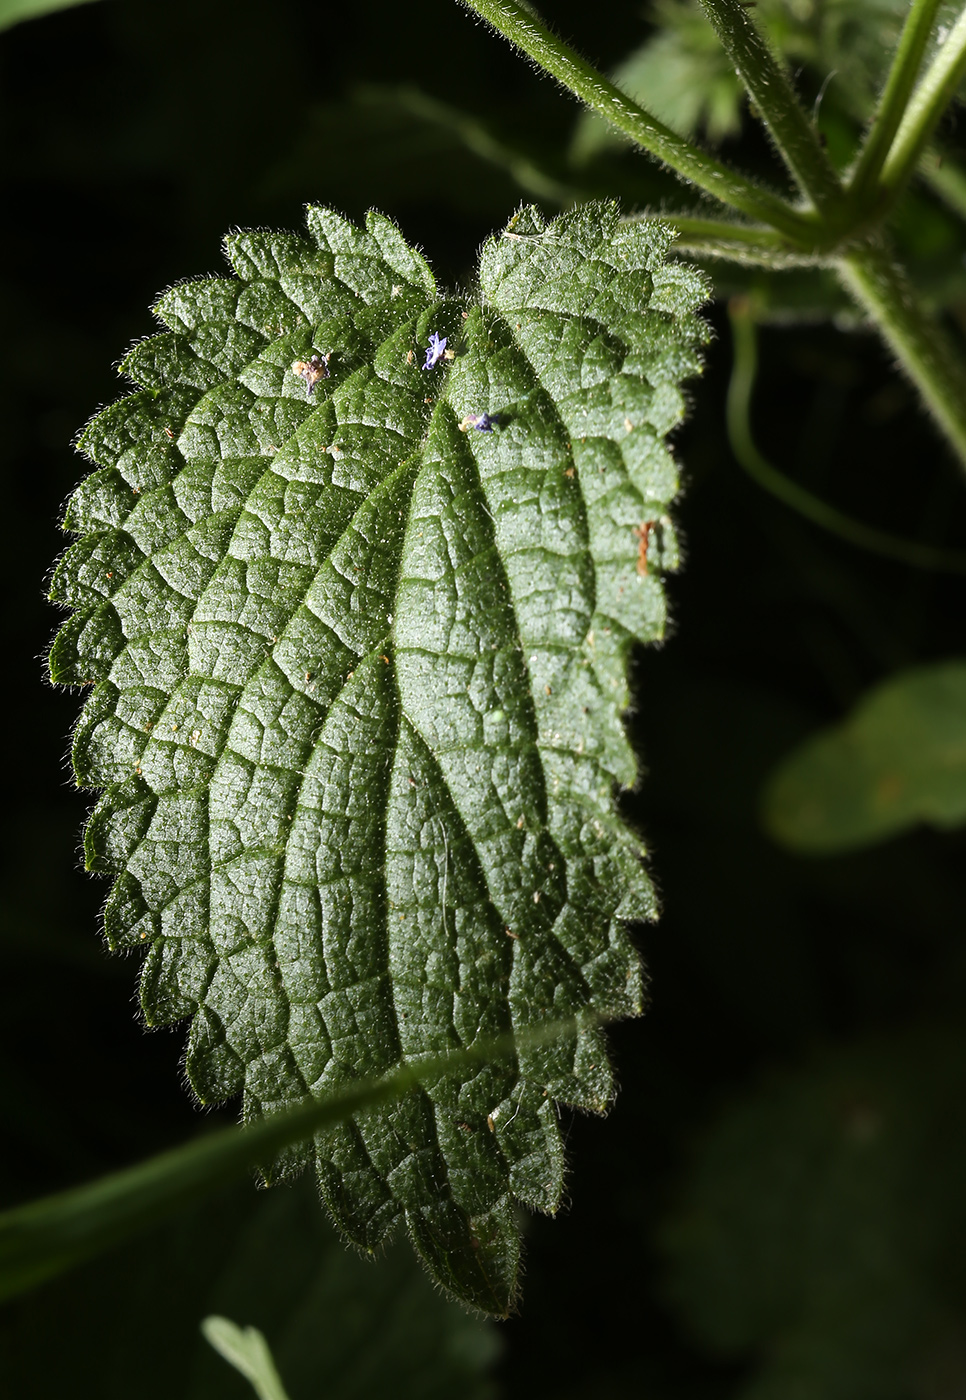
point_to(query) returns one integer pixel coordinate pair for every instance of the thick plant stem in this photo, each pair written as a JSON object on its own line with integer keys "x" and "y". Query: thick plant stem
{"x": 523, "y": 29}
{"x": 794, "y": 134}
{"x": 927, "y": 105}
{"x": 895, "y": 96}
{"x": 920, "y": 345}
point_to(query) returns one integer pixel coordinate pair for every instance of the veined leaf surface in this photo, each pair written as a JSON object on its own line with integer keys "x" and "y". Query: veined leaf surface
{"x": 358, "y": 674}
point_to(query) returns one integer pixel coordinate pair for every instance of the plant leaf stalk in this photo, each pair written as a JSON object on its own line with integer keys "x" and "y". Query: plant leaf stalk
{"x": 696, "y": 231}
{"x": 930, "y": 359}
{"x": 895, "y": 98}
{"x": 925, "y": 108}
{"x": 791, "y": 129}
{"x": 748, "y": 245}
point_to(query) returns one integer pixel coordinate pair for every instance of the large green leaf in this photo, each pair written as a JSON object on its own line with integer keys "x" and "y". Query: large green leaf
{"x": 358, "y": 656}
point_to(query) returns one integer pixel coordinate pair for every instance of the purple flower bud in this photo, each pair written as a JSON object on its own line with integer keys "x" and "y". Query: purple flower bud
{"x": 435, "y": 350}
{"x": 482, "y": 422}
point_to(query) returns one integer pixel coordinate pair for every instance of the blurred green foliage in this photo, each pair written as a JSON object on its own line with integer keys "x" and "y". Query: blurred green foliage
{"x": 246, "y": 1349}
{"x": 14, "y": 11}
{"x": 338, "y": 1324}
{"x": 898, "y": 759}
{"x": 681, "y": 73}
{"x": 126, "y": 151}
{"x": 820, "y": 1226}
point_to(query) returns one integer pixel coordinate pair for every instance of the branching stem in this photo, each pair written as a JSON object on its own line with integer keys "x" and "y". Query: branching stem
{"x": 522, "y": 28}
{"x": 794, "y": 134}
{"x": 866, "y": 270}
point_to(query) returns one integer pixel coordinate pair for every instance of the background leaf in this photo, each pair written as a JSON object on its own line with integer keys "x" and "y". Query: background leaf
{"x": 320, "y": 1325}
{"x": 900, "y": 758}
{"x": 337, "y": 1324}
{"x": 359, "y": 649}
{"x": 246, "y": 1349}
{"x": 14, "y": 11}
{"x": 680, "y": 73}
{"x": 831, "y": 1264}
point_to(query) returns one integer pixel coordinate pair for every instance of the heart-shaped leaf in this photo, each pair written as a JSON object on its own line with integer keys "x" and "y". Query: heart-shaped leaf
{"x": 358, "y": 575}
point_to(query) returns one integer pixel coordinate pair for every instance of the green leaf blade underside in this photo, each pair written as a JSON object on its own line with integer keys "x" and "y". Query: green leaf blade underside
{"x": 358, "y": 676}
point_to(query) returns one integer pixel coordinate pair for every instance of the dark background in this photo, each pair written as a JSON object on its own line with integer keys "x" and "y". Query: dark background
{"x": 820, "y": 999}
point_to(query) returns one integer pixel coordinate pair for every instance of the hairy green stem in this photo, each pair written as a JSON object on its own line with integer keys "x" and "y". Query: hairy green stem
{"x": 45, "y": 1237}
{"x": 895, "y": 96}
{"x": 793, "y": 132}
{"x": 926, "y": 354}
{"x": 696, "y": 231}
{"x": 743, "y": 244}
{"x": 927, "y": 105}
{"x": 521, "y": 27}
{"x": 790, "y": 493}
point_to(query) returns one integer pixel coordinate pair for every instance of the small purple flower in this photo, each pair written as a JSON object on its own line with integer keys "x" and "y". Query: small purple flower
{"x": 435, "y": 350}
{"x": 482, "y": 422}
